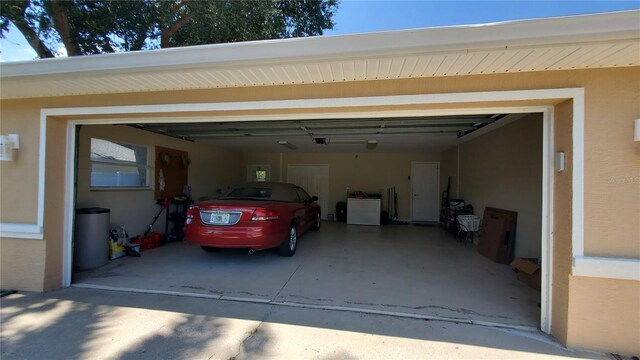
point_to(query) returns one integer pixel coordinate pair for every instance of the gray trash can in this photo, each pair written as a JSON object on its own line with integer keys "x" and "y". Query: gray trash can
{"x": 91, "y": 238}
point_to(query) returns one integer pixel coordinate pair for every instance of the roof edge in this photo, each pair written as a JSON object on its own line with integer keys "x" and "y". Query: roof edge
{"x": 531, "y": 32}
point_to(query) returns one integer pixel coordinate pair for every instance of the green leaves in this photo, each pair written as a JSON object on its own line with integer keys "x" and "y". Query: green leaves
{"x": 93, "y": 26}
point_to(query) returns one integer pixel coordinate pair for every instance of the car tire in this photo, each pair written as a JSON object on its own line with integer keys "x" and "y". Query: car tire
{"x": 210, "y": 249}
{"x": 290, "y": 243}
{"x": 316, "y": 225}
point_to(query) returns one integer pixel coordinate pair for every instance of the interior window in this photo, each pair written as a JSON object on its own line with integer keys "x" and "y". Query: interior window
{"x": 261, "y": 175}
{"x": 116, "y": 164}
{"x": 258, "y": 172}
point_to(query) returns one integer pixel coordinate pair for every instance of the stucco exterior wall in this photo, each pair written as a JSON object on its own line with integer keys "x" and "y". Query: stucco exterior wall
{"x": 19, "y": 198}
{"x": 562, "y": 222}
{"x": 22, "y": 264}
{"x": 612, "y": 165}
{"x": 619, "y": 330}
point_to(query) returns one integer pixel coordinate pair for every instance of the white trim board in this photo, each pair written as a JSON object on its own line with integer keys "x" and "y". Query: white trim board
{"x": 21, "y": 231}
{"x": 323, "y": 103}
{"x": 608, "y": 268}
{"x": 392, "y": 100}
{"x": 548, "y": 174}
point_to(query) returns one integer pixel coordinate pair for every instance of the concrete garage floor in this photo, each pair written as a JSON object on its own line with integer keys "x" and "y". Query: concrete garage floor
{"x": 396, "y": 268}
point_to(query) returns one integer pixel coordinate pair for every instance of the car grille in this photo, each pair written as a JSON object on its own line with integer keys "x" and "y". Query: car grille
{"x": 234, "y": 217}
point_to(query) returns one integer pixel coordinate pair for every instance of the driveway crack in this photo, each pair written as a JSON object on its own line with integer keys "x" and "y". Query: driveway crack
{"x": 251, "y": 333}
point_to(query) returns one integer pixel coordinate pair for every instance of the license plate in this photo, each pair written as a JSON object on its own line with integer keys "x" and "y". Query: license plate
{"x": 219, "y": 218}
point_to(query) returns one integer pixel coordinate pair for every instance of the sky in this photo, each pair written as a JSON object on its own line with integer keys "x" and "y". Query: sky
{"x": 366, "y": 16}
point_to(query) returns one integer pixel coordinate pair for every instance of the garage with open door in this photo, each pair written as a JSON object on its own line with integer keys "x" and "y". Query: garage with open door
{"x": 451, "y": 137}
{"x": 408, "y": 256}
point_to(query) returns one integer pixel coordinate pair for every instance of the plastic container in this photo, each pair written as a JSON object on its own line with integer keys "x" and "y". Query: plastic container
{"x": 341, "y": 211}
{"x": 469, "y": 222}
{"x": 91, "y": 240}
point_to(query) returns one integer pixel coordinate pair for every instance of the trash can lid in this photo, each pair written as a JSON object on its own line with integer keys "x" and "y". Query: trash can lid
{"x": 92, "y": 210}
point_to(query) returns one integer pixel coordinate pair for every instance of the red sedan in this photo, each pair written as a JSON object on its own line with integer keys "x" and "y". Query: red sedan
{"x": 256, "y": 215}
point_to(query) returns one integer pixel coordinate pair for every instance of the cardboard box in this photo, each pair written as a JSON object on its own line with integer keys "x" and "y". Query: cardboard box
{"x": 528, "y": 271}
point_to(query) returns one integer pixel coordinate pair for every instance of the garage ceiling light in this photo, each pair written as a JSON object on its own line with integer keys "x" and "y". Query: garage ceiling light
{"x": 287, "y": 144}
{"x": 371, "y": 144}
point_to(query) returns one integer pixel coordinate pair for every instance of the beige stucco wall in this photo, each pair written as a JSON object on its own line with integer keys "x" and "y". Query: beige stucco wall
{"x": 18, "y": 203}
{"x": 612, "y": 165}
{"x": 562, "y": 222}
{"x": 503, "y": 169}
{"x": 22, "y": 264}
{"x": 619, "y": 300}
{"x": 211, "y": 168}
{"x": 367, "y": 171}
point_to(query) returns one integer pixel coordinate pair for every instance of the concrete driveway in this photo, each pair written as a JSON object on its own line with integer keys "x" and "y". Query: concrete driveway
{"x": 78, "y": 323}
{"x": 411, "y": 270}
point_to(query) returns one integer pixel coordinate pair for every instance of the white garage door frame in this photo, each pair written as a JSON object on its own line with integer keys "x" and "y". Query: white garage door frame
{"x": 102, "y": 115}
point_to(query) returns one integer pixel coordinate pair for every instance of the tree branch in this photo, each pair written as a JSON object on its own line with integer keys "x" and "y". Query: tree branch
{"x": 166, "y": 33}
{"x": 62, "y": 25}
{"x": 19, "y": 21}
{"x": 32, "y": 38}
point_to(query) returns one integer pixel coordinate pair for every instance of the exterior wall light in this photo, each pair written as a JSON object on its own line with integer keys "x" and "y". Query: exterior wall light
{"x": 636, "y": 130}
{"x": 560, "y": 161}
{"x": 7, "y": 144}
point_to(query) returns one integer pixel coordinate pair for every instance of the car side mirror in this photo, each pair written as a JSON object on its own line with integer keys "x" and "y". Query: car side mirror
{"x": 313, "y": 199}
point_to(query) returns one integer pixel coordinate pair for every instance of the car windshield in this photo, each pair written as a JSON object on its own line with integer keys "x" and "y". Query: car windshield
{"x": 249, "y": 193}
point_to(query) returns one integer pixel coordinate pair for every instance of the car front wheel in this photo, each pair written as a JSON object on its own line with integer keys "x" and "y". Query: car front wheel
{"x": 290, "y": 243}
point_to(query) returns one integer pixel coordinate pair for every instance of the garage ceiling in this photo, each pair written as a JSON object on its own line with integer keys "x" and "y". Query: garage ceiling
{"x": 434, "y": 133}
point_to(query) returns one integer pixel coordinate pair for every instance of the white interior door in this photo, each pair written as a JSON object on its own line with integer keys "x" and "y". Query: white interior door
{"x": 315, "y": 180}
{"x": 425, "y": 184}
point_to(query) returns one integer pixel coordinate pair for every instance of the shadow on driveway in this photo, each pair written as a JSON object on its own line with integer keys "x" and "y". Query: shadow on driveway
{"x": 81, "y": 323}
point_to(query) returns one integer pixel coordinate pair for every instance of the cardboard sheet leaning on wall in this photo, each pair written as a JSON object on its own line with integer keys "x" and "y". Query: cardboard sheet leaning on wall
{"x": 171, "y": 172}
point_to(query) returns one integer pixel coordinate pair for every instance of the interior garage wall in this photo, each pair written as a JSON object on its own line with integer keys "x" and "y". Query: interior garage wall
{"x": 449, "y": 169}
{"x": 367, "y": 171}
{"x": 503, "y": 169}
{"x": 211, "y": 168}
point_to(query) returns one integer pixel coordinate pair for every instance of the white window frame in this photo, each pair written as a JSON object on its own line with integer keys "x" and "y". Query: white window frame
{"x": 146, "y": 166}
